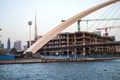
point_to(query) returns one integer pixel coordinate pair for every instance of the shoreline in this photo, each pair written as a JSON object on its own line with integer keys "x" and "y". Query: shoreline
{"x": 27, "y": 61}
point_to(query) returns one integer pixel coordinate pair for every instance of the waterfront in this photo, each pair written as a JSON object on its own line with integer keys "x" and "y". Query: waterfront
{"x": 94, "y": 70}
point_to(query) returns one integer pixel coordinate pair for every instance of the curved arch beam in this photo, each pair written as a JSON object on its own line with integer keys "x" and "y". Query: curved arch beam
{"x": 51, "y": 34}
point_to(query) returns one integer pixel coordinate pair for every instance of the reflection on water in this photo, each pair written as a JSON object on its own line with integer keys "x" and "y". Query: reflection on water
{"x": 96, "y": 70}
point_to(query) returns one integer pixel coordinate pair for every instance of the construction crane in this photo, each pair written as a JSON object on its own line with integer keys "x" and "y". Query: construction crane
{"x": 106, "y": 29}
{"x": 87, "y": 20}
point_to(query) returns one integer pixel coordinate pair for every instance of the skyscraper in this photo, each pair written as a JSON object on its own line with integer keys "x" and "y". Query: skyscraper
{"x": 8, "y": 45}
{"x": 18, "y": 45}
{"x": 1, "y": 44}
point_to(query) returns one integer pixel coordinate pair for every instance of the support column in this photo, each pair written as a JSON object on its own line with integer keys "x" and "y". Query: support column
{"x": 84, "y": 51}
{"x": 67, "y": 45}
{"x": 78, "y": 22}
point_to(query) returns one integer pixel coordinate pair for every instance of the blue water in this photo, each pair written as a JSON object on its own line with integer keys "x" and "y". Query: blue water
{"x": 95, "y": 70}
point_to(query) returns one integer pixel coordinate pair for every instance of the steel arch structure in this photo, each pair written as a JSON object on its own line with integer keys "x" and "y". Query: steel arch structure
{"x": 51, "y": 34}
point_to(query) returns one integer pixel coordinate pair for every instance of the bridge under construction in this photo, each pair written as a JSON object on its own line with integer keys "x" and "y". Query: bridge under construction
{"x": 77, "y": 42}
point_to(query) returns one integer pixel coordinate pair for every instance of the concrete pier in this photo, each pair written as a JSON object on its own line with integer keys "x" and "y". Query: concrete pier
{"x": 25, "y": 61}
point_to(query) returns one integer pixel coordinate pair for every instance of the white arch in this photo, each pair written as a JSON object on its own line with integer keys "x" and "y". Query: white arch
{"x": 51, "y": 34}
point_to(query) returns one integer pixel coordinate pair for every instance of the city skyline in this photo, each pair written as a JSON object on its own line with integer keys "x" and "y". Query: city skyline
{"x": 49, "y": 13}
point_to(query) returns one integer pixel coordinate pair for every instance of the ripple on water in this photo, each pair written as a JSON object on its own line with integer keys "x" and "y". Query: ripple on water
{"x": 97, "y": 70}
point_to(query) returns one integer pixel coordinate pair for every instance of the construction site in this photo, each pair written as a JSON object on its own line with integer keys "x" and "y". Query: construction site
{"x": 81, "y": 42}
{"x": 78, "y": 42}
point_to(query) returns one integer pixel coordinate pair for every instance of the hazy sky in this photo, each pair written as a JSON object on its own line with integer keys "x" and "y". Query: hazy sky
{"x": 15, "y": 14}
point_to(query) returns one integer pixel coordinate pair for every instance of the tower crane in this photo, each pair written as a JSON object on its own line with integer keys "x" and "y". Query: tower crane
{"x": 106, "y": 29}
{"x": 78, "y": 22}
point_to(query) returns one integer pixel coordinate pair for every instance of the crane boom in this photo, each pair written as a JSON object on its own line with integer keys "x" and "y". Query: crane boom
{"x": 83, "y": 20}
{"x": 100, "y": 19}
{"x": 106, "y": 28}
{"x": 94, "y": 20}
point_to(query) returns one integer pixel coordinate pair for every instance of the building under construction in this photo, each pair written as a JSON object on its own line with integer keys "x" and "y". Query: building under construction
{"x": 79, "y": 43}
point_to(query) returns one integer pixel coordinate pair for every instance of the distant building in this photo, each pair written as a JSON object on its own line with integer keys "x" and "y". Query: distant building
{"x": 8, "y": 45}
{"x": 1, "y": 44}
{"x": 113, "y": 37}
{"x": 97, "y": 32}
{"x": 2, "y": 50}
{"x": 25, "y": 47}
{"x": 32, "y": 41}
{"x": 18, "y": 45}
{"x": 38, "y": 37}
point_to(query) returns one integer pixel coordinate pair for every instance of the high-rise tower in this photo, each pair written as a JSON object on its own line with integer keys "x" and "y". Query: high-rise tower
{"x": 1, "y": 44}
{"x": 18, "y": 45}
{"x": 8, "y": 45}
{"x": 35, "y": 35}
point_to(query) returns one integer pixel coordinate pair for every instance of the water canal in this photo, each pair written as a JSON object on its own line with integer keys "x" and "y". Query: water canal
{"x": 94, "y": 70}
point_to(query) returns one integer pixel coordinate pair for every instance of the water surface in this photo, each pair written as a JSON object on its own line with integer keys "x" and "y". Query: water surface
{"x": 95, "y": 70}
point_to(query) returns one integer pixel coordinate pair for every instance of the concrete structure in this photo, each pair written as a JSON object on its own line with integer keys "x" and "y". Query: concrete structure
{"x": 79, "y": 42}
{"x": 30, "y": 23}
{"x": 18, "y": 45}
{"x": 21, "y": 61}
{"x": 51, "y": 34}
{"x": 35, "y": 35}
